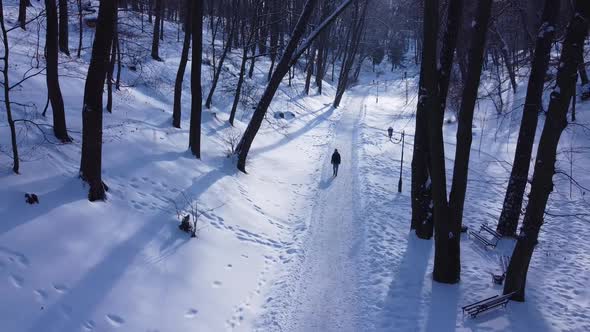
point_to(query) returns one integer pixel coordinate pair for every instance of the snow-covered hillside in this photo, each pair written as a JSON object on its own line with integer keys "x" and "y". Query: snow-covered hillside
{"x": 286, "y": 247}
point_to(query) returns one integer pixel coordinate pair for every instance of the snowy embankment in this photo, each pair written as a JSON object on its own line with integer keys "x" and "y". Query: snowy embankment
{"x": 67, "y": 264}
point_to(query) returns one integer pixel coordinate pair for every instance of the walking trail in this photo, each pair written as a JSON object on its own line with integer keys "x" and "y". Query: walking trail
{"x": 326, "y": 297}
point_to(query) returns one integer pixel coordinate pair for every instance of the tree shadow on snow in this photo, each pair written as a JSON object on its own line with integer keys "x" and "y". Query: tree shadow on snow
{"x": 325, "y": 115}
{"x": 83, "y": 298}
{"x": 402, "y": 307}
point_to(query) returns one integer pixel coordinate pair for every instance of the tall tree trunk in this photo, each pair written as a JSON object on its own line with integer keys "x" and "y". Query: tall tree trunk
{"x": 321, "y": 46}
{"x": 234, "y": 107}
{"x": 505, "y": 56}
{"x": 464, "y": 134}
{"x": 309, "y": 71}
{"x": 357, "y": 26}
{"x": 6, "y": 85}
{"x": 245, "y": 46}
{"x": 555, "y": 123}
{"x": 220, "y": 65}
{"x": 22, "y": 14}
{"x": 520, "y": 168}
{"x": 182, "y": 66}
{"x": 53, "y": 89}
{"x": 63, "y": 27}
{"x": 421, "y": 190}
{"x": 196, "y": 91}
{"x": 444, "y": 267}
{"x": 81, "y": 32}
{"x": 91, "y": 162}
{"x": 156, "y": 35}
{"x": 274, "y": 35}
{"x": 112, "y": 65}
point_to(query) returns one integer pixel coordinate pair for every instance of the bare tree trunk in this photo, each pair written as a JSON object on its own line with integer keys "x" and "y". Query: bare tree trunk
{"x": 350, "y": 52}
{"x": 505, "y": 56}
{"x": 22, "y": 14}
{"x": 309, "y": 70}
{"x": 15, "y": 158}
{"x": 444, "y": 267}
{"x": 53, "y": 89}
{"x": 556, "y": 121}
{"x": 520, "y": 168}
{"x": 156, "y": 36}
{"x": 63, "y": 27}
{"x": 80, "y": 22}
{"x": 421, "y": 190}
{"x": 112, "y": 65}
{"x": 220, "y": 65}
{"x": 182, "y": 66}
{"x": 464, "y": 136}
{"x": 91, "y": 162}
{"x": 196, "y": 91}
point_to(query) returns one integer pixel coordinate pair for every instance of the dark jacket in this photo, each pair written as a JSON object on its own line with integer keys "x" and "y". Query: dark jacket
{"x": 336, "y": 158}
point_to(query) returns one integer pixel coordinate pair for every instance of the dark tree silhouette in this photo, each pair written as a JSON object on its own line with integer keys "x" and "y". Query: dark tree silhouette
{"x": 91, "y": 162}
{"x": 196, "y": 91}
{"x": 520, "y": 168}
{"x": 63, "y": 26}
{"x": 542, "y": 184}
{"x": 53, "y": 89}
{"x": 176, "y": 112}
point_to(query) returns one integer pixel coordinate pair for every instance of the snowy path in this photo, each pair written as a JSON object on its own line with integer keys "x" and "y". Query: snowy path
{"x": 328, "y": 298}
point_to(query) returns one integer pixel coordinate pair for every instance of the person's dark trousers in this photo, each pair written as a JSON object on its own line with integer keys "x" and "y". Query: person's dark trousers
{"x": 335, "y": 169}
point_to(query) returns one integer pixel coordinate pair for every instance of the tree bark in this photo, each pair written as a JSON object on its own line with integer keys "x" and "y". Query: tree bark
{"x": 176, "y": 113}
{"x": 63, "y": 27}
{"x": 196, "y": 91}
{"x": 309, "y": 71}
{"x": 22, "y": 14}
{"x": 112, "y": 65}
{"x": 220, "y": 65}
{"x": 81, "y": 32}
{"x": 421, "y": 189}
{"x": 556, "y": 121}
{"x": 156, "y": 35}
{"x": 357, "y": 26}
{"x": 53, "y": 89}
{"x": 520, "y": 168}
{"x": 6, "y": 85}
{"x": 465, "y": 135}
{"x": 91, "y": 162}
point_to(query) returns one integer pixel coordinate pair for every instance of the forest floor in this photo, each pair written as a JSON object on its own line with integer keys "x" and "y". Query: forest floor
{"x": 285, "y": 247}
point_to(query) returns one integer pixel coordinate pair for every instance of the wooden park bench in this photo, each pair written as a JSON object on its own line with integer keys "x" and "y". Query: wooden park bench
{"x": 504, "y": 262}
{"x": 487, "y": 236}
{"x": 484, "y": 305}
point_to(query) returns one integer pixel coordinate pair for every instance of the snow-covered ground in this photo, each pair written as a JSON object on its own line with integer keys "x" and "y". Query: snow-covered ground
{"x": 283, "y": 248}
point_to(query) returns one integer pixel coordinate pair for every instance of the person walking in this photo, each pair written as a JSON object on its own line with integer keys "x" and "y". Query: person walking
{"x": 336, "y": 161}
{"x": 390, "y": 132}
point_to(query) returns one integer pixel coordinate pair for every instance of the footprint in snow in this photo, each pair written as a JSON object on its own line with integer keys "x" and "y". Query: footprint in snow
{"x": 17, "y": 281}
{"x": 60, "y": 288}
{"x": 191, "y": 313}
{"x": 89, "y": 325}
{"x": 115, "y": 320}
{"x": 41, "y": 295}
